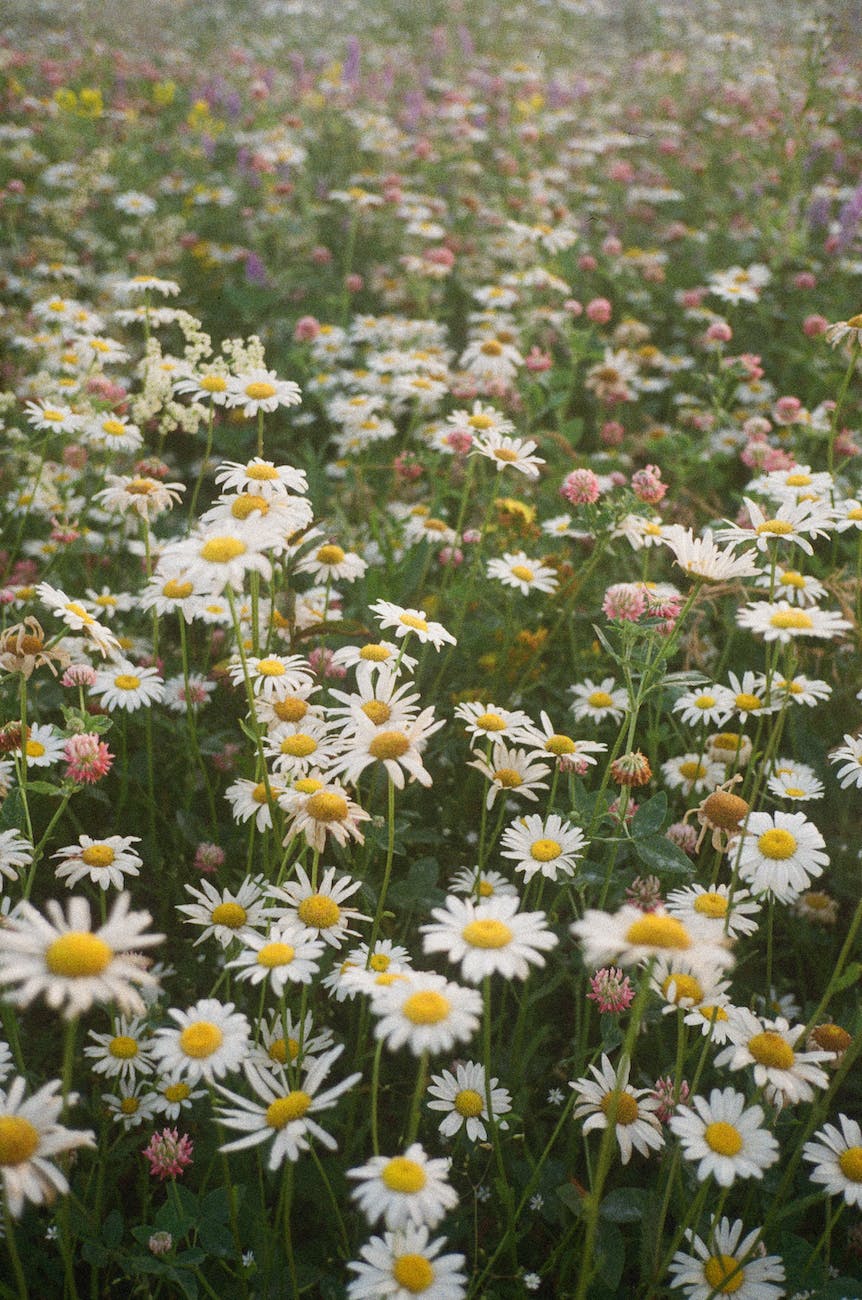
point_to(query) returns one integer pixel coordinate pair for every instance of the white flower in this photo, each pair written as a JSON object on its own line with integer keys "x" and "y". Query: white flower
{"x": 514, "y": 453}
{"x": 128, "y": 687}
{"x": 787, "y": 1076}
{"x": 402, "y": 1190}
{"x": 463, "y": 1097}
{"x": 793, "y": 522}
{"x": 407, "y": 622}
{"x": 636, "y": 1126}
{"x": 518, "y": 570}
{"x": 403, "y": 1264}
{"x": 76, "y": 617}
{"x": 29, "y": 1136}
{"x": 489, "y": 937}
{"x": 106, "y": 862}
{"x": 425, "y": 1011}
{"x": 285, "y": 1115}
{"x": 209, "y": 1039}
{"x": 320, "y": 909}
{"x": 124, "y": 1052}
{"x": 701, "y": 558}
{"x": 631, "y": 936}
{"x": 726, "y": 1138}
{"x": 715, "y": 909}
{"x": 287, "y": 955}
{"x": 262, "y": 390}
{"x": 513, "y": 770}
{"x": 15, "y": 852}
{"x": 43, "y": 746}
{"x": 783, "y": 622}
{"x": 548, "y": 846}
{"x": 837, "y": 1157}
{"x": 849, "y": 756}
{"x": 225, "y": 914}
{"x": 779, "y": 854}
{"x": 729, "y": 1266}
{"x": 599, "y": 701}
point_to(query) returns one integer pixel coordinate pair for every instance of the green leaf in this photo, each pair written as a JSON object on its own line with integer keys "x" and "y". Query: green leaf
{"x": 112, "y": 1229}
{"x": 12, "y": 812}
{"x": 612, "y": 1035}
{"x": 662, "y": 856}
{"x": 610, "y": 1253}
{"x": 44, "y": 787}
{"x": 624, "y": 1205}
{"x": 649, "y": 817}
{"x": 419, "y": 891}
{"x": 571, "y": 1198}
{"x": 94, "y": 1253}
{"x": 215, "y": 1237}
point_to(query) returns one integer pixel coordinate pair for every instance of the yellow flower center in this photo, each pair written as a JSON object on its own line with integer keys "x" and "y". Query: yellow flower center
{"x": 775, "y": 527}
{"x": 627, "y": 1107}
{"x": 261, "y": 473}
{"x": 98, "y": 855}
{"x": 486, "y": 889}
{"x": 175, "y": 590}
{"x": 600, "y": 700}
{"x": 327, "y": 807}
{"x": 330, "y": 555}
{"x": 213, "y": 383}
{"x": 244, "y": 505}
{"x": 771, "y": 1050}
{"x": 307, "y": 785}
{"x": 129, "y": 1106}
{"x": 412, "y": 620}
{"x": 718, "y": 1269}
{"x": 558, "y": 744}
{"x": 279, "y": 1050}
{"x": 791, "y": 618}
{"x": 521, "y": 572}
{"x": 777, "y": 844}
{"x": 491, "y": 348}
{"x": 704, "y": 702}
{"x": 271, "y": 668}
{"x": 259, "y": 794}
{"x": 426, "y": 1008}
{"x": 685, "y": 987}
{"x": 276, "y": 954}
{"x": 855, "y": 514}
{"x": 712, "y": 1013}
{"x": 850, "y": 1164}
{"x": 790, "y": 578}
{"x": 221, "y": 550}
{"x": 77, "y": 955}
{"x": 378, "y": 711}
{"x": 487, "y": 933}
{"x": 34, "y": 749}
{"x": 389, "y": 744}
{"x": 19, "y": 1140}
{"x": 292, "y": 709}
{"x": 123, "y": 1047}
{"x": 724, "y": 1139}
{"x": 127, "y": 682}
{"x": 230, "y": 914}
{"x": 651, "y": 931}
{"x": 413, "y": 1272}
{"x": 176, "y": 1092}
{"x": 480, "y": 421}
{"x": 545, "y": 850}
{"x": 376, "y": 654}
{"x": 747, "y": 703}
{"x": 298, "y": 746}
{"x": 114, "y": 428}
{"x": 507, "y": 777}
{"x": 259, "y": 391}
{"x": 78, "y": 610}
{"x": 468, "y": 1103}
{"x": 380, "y": 962}
{"x": 798, "y": 480}
{"x": 402, "y": 1175}
{"x": 711, "y": 904}
{"x": 691, "y": 770}
{"x": 319, "y": 911}
{"x": 491, "y": 722}
{"x": 200, "y": 1039}
{"x": 285, "y": 1109}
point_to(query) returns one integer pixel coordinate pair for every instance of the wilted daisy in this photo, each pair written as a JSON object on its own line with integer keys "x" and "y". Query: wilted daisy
{"x": 779, "y": 853}
{"x": 127, "y": 686}
{"x": 206, "y": 1041}
{"x": 426, "y": 1012}
{"x": 786, "y": 1075}
{"x": 726, "y": 1138}
{"x": 29, "y": 1137}
{"x": 489, "y": 937}
{"x": 837, "y": 1158}
{"x": 636, "y": 1125}
{"x": 124, "y": 1053}
{"x": 322, "y": 909}
{"x": 599, "y": 701}
{"x": 407, "y": 622}
{"x": 848, "y": 759}
{"x": 729, "y": 1266}
{"x": 549, "y": 846}
{"x": 463, "y": 1097}
{"x": 225, "y": 914}
{"x": 106, "y": 862}
{"x": 283, "y": 1114}
{"x": 72, "y": 965}
{"x": 407, "y": 1189}
{"x": 519, "y": 571}
{"x": 286, "y": 955}
{"x": 400, "y": 1265}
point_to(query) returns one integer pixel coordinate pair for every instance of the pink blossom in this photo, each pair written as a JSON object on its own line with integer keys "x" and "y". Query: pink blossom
{"x": 612, "y": 246}
{"x": 460, "y": 440}
{"x": 87, "y": 757}
{"x": 805, "y": 280}
{"x": 814, "y": 325}
{"x": 450, "y": 557}
{"x": 664, "y": 1092}
{"x": 407, "y": 468}
{"x": 307, "y": 327}
{"x": 78, "y": 675}
{"x": 353, "y": 283}
{"x": 612, "y": 990}
{"x": 320, "y": 659}
{"x": 644, "y": 892}
{"x": 786, "y": 410}
{"x": 612, "y": 433}
{"x": 587, "y": 263}
{"x": 537, "y": 361}
{"x": 719, "y": 332}
{"x": 168, "y": 1154}
{"x": 208, "y": 858}
{"x": 647, "y": 485}
{"x": 599, "y": 311}
{"x": 683, "y": 836}
{"x": 321, "y": 256}
{"x": 624, "y": 601}
{"x": 581, "y": 487}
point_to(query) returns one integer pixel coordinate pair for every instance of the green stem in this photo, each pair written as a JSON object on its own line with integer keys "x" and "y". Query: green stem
{"x": 416, "y": 1103}
{"x": 12, "y": 1247}
{"x": 387, "y": 872}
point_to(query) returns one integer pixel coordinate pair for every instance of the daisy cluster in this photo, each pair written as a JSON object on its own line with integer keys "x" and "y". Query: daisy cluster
{"x": 429, "y": 651}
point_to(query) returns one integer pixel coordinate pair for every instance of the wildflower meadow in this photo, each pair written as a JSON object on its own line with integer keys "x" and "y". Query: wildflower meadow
{"x": 430, "y": 679}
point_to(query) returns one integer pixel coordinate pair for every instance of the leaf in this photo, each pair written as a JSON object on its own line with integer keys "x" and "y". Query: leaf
{"x": 662, "y": 856}
{"x": 624, "y": 1205}
{"x": 12, "y": 812}
{"x": 571, "y": 1198}
{"x": 610, "y": 1253}
{"x": 419, "y": 891}
{"x": 649, "y": 816}
{"x": 94, "y": 1253}
{"x": 215, "y": 1237}
{"x": 603, "y": 640}
{"x": 44, "y": 787}
{"x": 112, "y": 1229}
{"x": 612, "y": 1035}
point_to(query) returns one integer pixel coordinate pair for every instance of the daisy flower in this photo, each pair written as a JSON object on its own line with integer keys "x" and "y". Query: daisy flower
{"x": 715, "y": 909}
{"x": 249, "y": 799}
{"x": 491, "y": 720}
{"x": 700, "y": 558}
{"x": 331, "y": 563}
{"x": 213, "y": 560}
{"x": 173, "y": 1096}
{"x": 801, "y": 690}
{"x": 791, "y": 586}
{"x": 403, "y": 1190}
{"x": 787, "y": 1076}
{"x": 748, "y": 695}
{"x": 797, "y": 781}
{"x": 321, "y": 811}
{"x": 426, "y": 1012}
{"x": 793, "y": 522}
{"x": 848, "y": 759}
{"x": 549, "y": 846}
{"x": 53, "y": 416}
{"x": 274, "y": 676}
{"x": 284, "y": 1041}
{"x": 685, "y": 984}
{"x": 226, "y": 914}
{"x": 559, "y": 745}
{"x": 132, "y": 1105}
{"x": 597, "y": 701}
{"x": 72, "y": 965}
{"x": 372, "y": 660}
{"x": 261, "y": 390}
{"x": 519, "y": 571}
{"x": 297, "y": 748}
{"x": 489, "y": 937}
{"x": 29, "y": 1137}
{"x": 76, "y": 617}
{"x": 399, "y": 750}
{"x": 783, "y": 622}
{"x": 407, "y": 622}
{"x": 482, "y": 884}
{"x": 515, "y": 770}
{"x": 208, "y": 385}
{"x": 112, "y": 433}
{"x": 779, "y": 853}
{"x": 636, "y": 1125}
{"x": 106, "y": 862}
{"x": 730, "y": 1266}
{"x": 43, "y": 746}
{"x": 463, "y": 1097}
{"x": 286, "y": 955}
{"x": 15, "y": 853}
{"x": 322, "y": 909}
{"x": 283, "y": 1114}
{"x": 206, "y": 1041}
{"x": 631, "y": 936}
{"x": 127, "y": 686}
{"x": 514, "y": 453}
{"x": 692, "y": 773}
{"x": 123, "y": 1053}
{"x": 262, "y": 477}
{"x": 837, "y": 1158}
{"x": 724, "y": 1137}
{"x": 400, "y": 1265}
{"x": 383, "y": 703}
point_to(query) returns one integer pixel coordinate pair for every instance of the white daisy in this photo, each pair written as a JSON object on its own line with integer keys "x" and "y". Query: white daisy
{"x": 426, "y": 1012}
{"x": 15, "y": 853}
{"x": 549, "y": 846}
{"x": 320, "y": 909}
{"x": 848, "y": 759}
{"x": 124, "y": 1053}
{"x": 837, "y": 1158}
{"x": 411, "y": 622}
{"x": 128, "y": 687}
{"x": 779, "y": 853}
{"x": 29, "y": 1137}
{"x": 106, "y": 862}
{"x": 226, "y": 914}
{"x": 403, "y": 1264}
{"x": 729, "y": 1266}
{"x": 286, "y": 955}
{"x": 787, "y": 1076}
{"x": 519, "y": 571}
{"x": 597, "y": 701}
{"x": 636, "y": 1126}
{"x": 724, "y": 1137}
{"x": 489, "y": 937}
{"x": 207, "y": 1041}
{"x": 401, "y": 1190}
{"x": 463, "y": 1096}
{"x": 516, "y": 771}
